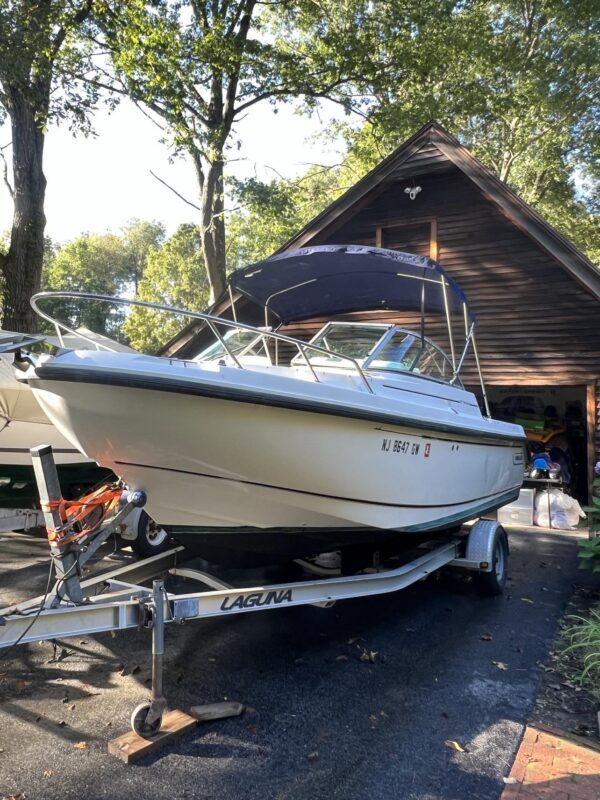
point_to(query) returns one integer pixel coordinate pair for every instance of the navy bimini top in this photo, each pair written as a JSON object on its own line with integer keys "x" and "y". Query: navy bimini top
{"x": 338, "y": 279}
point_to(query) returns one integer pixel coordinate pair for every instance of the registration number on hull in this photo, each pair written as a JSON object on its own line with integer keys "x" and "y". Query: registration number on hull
{"x": 404, "y": 447}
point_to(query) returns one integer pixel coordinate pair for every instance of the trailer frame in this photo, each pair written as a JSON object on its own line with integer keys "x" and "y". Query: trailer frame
{"x": 117, "y": 601}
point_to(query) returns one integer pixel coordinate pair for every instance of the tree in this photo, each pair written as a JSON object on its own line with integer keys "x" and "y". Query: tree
{"x": 273, "y": 212}
{"x": 96, "y": 263}
{"x": 201, "y": 64}
{"x": 519, "y": 82}
{"x": 139, "y": 238}
{"x": 37, "y": 56}
{"x": 175, "y": 275}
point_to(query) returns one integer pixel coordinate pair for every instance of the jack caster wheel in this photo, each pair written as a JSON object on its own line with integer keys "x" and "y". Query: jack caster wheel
{"x": 140, "y": 724}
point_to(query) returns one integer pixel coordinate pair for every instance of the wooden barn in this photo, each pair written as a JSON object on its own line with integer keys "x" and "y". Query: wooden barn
{"x": 535, "y": 295}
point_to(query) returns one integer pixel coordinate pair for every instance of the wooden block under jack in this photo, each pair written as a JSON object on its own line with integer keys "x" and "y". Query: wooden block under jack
{"x": 130, "y": 746}
{"x": 212, "y": 711}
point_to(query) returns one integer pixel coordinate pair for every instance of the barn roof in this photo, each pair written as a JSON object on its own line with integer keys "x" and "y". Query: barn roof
{"x": 522, "y": 215}
{"x": 431, "y": 149}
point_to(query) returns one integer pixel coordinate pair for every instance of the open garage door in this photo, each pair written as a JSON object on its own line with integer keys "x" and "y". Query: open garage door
{"x": 555, "y": 418}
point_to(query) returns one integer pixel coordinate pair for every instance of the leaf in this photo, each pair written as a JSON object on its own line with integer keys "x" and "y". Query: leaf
{"x": 80, "y": 746}
{"x": 369, "y": 656}
{"x": 501, "y": 665}
{"x": 341, "y": 658}
{"x": 454, "y": 745}
{"x": 510, "y": 780}
{"x": 314, "y": 756}
{"x": 526, "y": 600}
{"x": 48, "y": 773}
{"x": 486, "y": 637}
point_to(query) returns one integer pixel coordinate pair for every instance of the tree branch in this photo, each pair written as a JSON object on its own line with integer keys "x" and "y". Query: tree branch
{"x": 180, "y": 196}
{"x": 11, "y": 191}
{"x": 232, "y": 86}
{"x": 61, "y": 34}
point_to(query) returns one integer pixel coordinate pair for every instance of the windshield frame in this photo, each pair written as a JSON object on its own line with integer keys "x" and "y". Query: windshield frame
{"x": 389, "y": 330}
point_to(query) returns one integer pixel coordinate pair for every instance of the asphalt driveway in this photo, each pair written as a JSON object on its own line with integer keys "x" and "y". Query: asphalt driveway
{"x": 447, "y": 666}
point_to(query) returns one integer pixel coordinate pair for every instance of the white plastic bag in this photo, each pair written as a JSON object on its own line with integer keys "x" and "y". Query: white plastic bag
{"x": 565, "y": 511}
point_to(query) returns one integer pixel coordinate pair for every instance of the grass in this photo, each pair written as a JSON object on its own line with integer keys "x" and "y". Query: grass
{"x": 581, "y": 657}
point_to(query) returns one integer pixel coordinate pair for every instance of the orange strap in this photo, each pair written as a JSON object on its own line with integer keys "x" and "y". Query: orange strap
{"x": 72, "y": 512}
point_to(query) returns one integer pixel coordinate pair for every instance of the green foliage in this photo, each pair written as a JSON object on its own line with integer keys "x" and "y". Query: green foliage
{"x": 174, "y": 276}
{"x": 100, "y": 264}
{"x": 42, "y": 60}
{"x": 95, "y": 263}
{"x": 273, "y": 212}
{"x": 517, "y": 81}
{"x": 201, "y": 65}
{"x": 589, "y": 554}
{"x": 41, "y": 55}
{"x": 584, "y": 649}
{"x": 139, "y": 239}
{"x": 593, "y": 519}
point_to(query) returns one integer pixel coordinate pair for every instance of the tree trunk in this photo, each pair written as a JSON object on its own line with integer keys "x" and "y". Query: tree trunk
{"x": 22, "y": 266}
{"x": 213, "y": 229}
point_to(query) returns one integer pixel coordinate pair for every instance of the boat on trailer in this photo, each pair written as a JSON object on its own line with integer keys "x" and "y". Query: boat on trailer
{"x": 270, "y": 445}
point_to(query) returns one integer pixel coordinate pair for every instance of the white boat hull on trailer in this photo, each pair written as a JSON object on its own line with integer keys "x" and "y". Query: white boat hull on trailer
{"x": 362, "y": 436}
{"x": 221, "y": 448}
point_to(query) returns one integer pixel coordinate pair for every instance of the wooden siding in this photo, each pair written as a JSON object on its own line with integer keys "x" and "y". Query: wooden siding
{"x": 596, "y": 426}
{"x": 427, "y": 160}
{"x": 536, "y": 324}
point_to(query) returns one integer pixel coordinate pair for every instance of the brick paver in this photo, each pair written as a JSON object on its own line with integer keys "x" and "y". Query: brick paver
{"x": 549, "y": 766}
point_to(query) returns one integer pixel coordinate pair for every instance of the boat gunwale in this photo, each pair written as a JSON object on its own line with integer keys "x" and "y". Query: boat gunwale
{"x": 76, "y": 374}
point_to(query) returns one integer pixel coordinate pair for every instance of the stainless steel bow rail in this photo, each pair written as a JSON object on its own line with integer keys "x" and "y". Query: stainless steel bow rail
{"x": 118, "y": 600}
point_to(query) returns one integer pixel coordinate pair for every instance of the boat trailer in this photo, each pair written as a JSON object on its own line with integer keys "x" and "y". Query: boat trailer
{"x": 117, "y": 600}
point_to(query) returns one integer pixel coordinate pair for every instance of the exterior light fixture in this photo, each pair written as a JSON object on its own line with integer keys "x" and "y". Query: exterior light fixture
{"x": 412, "y": 191}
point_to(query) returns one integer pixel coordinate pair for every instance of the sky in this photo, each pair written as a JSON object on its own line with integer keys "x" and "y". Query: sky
{"x": 97, "y": 184}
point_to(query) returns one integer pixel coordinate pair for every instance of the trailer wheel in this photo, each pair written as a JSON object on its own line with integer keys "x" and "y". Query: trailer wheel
{"x": 151, "y": 538}
{"x": 492, "y": 583}
{"x": 140, "y": 724}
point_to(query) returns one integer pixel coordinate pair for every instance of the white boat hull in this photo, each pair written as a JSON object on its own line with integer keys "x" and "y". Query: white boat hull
{"x": 205, "y": 462}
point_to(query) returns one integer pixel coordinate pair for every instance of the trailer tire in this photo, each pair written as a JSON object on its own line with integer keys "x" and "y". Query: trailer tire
{"x": 151, "y": 538}
{"x": 491, "y": 584}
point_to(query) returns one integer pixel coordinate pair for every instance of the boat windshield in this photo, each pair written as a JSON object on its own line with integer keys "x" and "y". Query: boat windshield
{"x": 240, "y": 342}
{"x": 405, "y": 351}
{"x": 348, "y": 339}
{"x": 379, "y": 348}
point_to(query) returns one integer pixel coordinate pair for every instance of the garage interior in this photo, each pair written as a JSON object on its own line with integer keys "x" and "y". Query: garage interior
{"x": 554, "y": 417}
